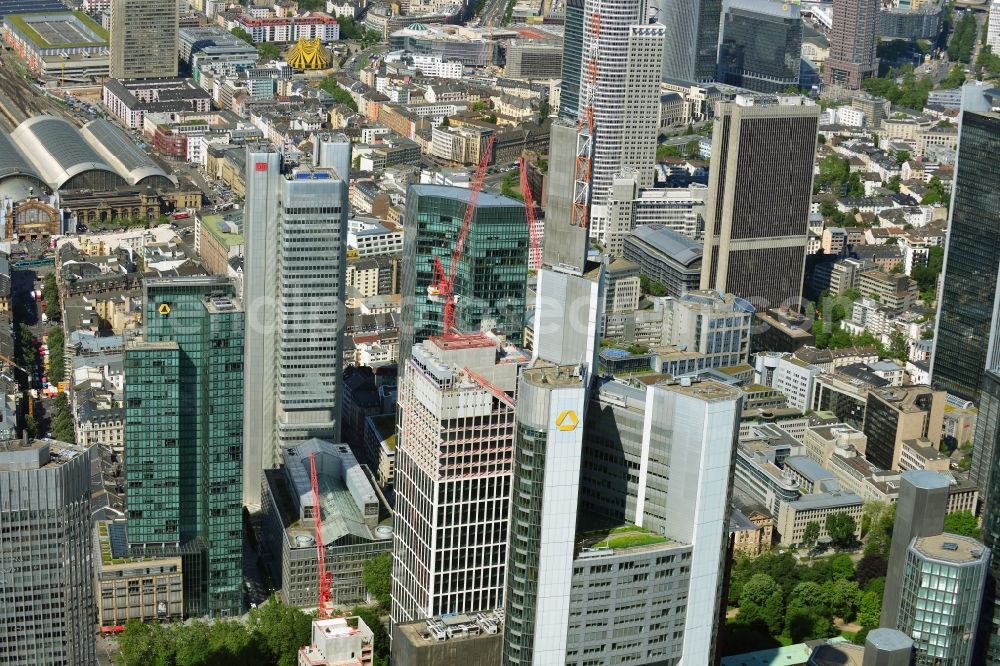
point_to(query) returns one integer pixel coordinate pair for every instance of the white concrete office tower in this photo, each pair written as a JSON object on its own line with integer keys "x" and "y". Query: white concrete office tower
{"x": 47, "y": 592}
{"x": 693, "y": 507}
{"x": 296, "y": 239}
{"x": 625, "y": 100}
{"x": 649, "y": 466}
{"x": 544, "y": 500}
{"x": 453, "y": 477}
{"x": 678, "y": 441}
{"x": 144, "y": 38}
{"x": 993, "y": 27}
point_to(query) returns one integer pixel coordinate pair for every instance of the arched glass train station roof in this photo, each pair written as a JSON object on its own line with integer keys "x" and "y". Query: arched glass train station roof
{"x": 99, "y": 156}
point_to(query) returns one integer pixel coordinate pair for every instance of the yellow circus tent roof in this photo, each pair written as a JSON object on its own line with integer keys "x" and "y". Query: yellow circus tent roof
{"x": 308, "y": 54}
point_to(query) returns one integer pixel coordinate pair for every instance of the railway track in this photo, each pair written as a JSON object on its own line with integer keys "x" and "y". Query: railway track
{"x": 20, "y": 100}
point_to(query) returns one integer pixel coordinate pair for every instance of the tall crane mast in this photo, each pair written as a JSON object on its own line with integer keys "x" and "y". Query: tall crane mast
{"x": 442, "y": 286}
{"x": 535, "y": 258}
{"x": 321, "y": 572}
{"x": 583, "y": 164}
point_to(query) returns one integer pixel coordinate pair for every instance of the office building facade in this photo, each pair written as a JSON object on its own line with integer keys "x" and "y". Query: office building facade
{"x": 665, "y": 256}
{"x": 680, "y": 439}
{"x": 626, "y": 104}
{"x": 452, "y": 478}
{"x": 490, "y": 281}
{"x": 760, "y": 187}
{"x": 984, "y": 461}
{"x": 691, "y": 46}
{"x": 184, "y": 436}
{"x": 984, "y": 440}
{"x": 944, "y": 577}
{"x": 144, "y": 42}
{"x": 968, "y": 291}
{"x": 544, "y": 498}
{"x": 761, "y": 45}
{"x": 47, "y": 607}
{"x": 852, "y": 43}
{"x": 898, "y": 415}
{"x": 296, "y": 246}
{"x": 572, "y": 60}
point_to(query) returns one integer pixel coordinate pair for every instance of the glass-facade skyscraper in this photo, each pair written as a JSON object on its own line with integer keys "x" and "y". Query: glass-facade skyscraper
{"x": 184, "y": 436}
{"x": 491, "y": 278}
{"x": 940, "y": 598}
{"x": 986, "y": 474}
{"x": 972, "y": 254}
{"x": 692, "y": 45}
{"x": 47, "y": 608}
{"x": 569, "y": 87}
{"x": 761, "y": 45}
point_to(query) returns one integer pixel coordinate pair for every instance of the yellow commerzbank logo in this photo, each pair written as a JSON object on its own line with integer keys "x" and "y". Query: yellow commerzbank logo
{"x": 567, "y": 420}
{"x": 164, "y": 309}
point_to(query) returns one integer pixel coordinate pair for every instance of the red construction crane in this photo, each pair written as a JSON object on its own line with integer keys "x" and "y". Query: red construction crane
{"x": 442, "y": 286}
{"x": 583, "y": 165}
{"x": 535, "y": 259}
{"x": 321, "y": 572}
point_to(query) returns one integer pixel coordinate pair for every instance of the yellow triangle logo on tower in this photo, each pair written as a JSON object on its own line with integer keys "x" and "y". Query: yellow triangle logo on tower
{"x": 567, "y": 420}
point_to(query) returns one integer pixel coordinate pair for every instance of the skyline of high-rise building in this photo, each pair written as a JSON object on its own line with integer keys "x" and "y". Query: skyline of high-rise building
{"x": 624, "y": 98}
{"x": 184, "y": 437}
{"x": 852, "y": 43}
{"x": 295, "y": 221}
{"x": 572, "y": 60}
{"x": 143, "y": 42}
{"x": 943, "y": 625}
{"x": 453, "y": 478}
{"x": 491, "y": 278}
{"x": 691, "y": 47}
{"x": 760, "y": 46}
{"x": 47, "y": 605}
{"x": 760, "y": 191}
{"x": 968, "y": 287}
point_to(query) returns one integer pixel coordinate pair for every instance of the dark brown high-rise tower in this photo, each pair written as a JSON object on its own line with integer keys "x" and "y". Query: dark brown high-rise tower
{"x": 852, "y": 43}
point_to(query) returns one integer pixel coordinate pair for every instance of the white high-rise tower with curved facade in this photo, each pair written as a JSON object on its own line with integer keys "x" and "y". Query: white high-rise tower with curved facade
{"x": 624, "y": 96}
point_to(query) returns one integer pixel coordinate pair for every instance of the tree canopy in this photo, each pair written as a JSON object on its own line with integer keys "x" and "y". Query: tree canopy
{"x": 376, "y": 574}
{"x": 341, "y": 96}
{"x": 841, "y": 527}
{"x": 963, "y": 39}
{"x": 908, "y": 91}
{"x": 271, "y": 637}
{"x": 962, "y": 523}
{"x": 57, "y": 366}
{"x": 50, "y": 294}
{"x": 782, "y": 600}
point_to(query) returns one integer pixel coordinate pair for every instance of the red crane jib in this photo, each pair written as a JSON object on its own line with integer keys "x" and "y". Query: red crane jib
{"x": 322, "y": 574}
{"x": 445, "y": 285}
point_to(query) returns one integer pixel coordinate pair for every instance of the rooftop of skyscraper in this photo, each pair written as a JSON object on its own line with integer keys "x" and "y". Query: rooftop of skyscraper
{"x": 544, "y": 373}
{"x": 25, "y": 454}
{"x": 950, "y": 548}
{"x": 707, "y": 390}
{"x": 908, "y": 398}
{"x": 622, "y": 537}
{"x": 486, "y": 199}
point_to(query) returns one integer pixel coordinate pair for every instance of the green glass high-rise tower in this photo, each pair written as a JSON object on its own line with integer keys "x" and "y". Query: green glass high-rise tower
{"x": 184, "y": 436}
{"x": 491, "y": 279}
{"x": 968, "y": 288}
